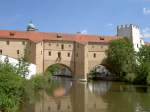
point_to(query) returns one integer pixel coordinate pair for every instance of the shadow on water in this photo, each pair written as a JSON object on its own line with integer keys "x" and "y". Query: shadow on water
{"x": 103, "y": 96}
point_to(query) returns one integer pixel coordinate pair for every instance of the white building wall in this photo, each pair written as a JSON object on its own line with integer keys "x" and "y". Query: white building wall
{"x": 136, "y": 37}
{"x": 14, "y": 62}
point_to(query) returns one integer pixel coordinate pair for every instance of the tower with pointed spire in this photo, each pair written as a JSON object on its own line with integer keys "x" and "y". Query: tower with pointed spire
{"x": 31, "y": 27}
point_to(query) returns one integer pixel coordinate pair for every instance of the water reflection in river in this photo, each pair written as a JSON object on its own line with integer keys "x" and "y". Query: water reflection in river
{"x": 102, "y": 96}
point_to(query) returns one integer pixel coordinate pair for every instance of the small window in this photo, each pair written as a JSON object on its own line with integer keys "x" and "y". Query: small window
{"x": 30, "y": 43}
{"x": 49, "y": 44}
{"x": 49, "y": 53}
{"x": 92, "y": 46}
{"x": 68, "y": 54}
{"x": 69, "y": 45}
{"x": 140, "y": 41}
{"x": 57, "y": 44}
{"x": 41, "y": 52}
{"x": 49, "y": 108}
{"x": 7, "y": 42}
{"x": 62, "y": 46}
{"x": 59, "y": 54}
{"x": 23, "y": 42}
{"x": 77, "y": 55}
{"x": 101, "y": 46}
{"x": 18, "y": 52}
{"x": 137, "y": 46}
{"x": 41, "y": 43}
{"x": 94, "y": 55}
{"x": 1, "y": 51}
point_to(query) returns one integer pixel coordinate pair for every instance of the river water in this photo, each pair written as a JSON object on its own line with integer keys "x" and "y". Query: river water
{"x": 65, "y": 95}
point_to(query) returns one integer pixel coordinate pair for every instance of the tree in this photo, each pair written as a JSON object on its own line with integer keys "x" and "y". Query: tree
{"x": 11, "y": 88}
{"x": 53, "y": 69}
{"x": 121, "y": 57}
{"x": 22, "y": 68}
{"x": 143, "y": 68}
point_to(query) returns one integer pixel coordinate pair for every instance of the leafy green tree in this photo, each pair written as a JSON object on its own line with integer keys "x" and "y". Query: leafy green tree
{"x": 121, "y": 57}
{"x": 22, "y": 68}
{"x": 143, "y": 67}
{"x": 11, "y": 88}
{"x": 53, "y": 69}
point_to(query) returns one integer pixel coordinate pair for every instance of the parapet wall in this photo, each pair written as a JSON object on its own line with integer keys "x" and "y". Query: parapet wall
{"x": 127, "y": 26}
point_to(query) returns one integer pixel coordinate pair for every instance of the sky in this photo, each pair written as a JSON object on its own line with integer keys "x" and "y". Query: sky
{"x": 70, "y": 16}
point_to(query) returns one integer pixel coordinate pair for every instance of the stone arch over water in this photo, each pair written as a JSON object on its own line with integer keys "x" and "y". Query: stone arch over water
{"x": 59, "y": 69}
{"x": 100, "y": 70}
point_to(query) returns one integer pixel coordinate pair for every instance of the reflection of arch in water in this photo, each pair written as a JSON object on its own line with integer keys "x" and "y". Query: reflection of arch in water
{"x": 99, "y": 88}
{"x": 59, "y": 69}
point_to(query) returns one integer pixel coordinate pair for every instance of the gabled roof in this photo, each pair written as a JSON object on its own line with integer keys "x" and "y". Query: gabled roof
{"x": 41, "y": 36}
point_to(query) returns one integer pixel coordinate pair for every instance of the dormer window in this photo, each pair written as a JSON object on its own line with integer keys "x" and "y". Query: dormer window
{"x": 11, "y": 33}
{"x": 101, "y": 38}
{"x": 59, "y": 36}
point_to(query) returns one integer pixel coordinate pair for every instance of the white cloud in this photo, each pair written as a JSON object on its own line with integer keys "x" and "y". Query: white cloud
{"x": 84, "y": 32}
{"x": 146, "y": 32}
{"x": 146, "y": 11}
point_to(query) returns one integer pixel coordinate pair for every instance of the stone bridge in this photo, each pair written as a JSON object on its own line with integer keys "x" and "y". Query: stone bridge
{"x": 80, "y": 58}
{"x": 80, "y": 53}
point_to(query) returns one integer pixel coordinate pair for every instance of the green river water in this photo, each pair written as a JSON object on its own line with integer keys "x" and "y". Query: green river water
{"x": 101, "y": 96}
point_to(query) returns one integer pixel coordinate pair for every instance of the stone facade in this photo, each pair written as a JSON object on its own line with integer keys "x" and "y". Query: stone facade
{"x": 79, "y": 57}
{"x": 80, "y": 53}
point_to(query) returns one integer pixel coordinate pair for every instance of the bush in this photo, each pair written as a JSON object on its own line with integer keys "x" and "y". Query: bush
{"x": 11, "y": 88}
{"x": 148, "y": 78}
{"x": 14, "y": 88}
{"x": 130, "y": 77}
{"x": 39, "y": 81}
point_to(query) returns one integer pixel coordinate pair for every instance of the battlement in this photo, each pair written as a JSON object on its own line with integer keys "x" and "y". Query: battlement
{"x": 127, "y": 26}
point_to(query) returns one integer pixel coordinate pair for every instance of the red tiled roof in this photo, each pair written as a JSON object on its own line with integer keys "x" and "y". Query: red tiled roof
{"x": 40, "y": 36}
{"x": 147, "y": 44}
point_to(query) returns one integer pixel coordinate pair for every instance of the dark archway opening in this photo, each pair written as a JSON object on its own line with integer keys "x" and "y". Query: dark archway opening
{"x": 100, "y": 72}
{"x": 59, "y": 70}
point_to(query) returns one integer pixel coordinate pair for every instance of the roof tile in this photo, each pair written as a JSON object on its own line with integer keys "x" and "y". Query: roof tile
{"x": 40, "y": 36}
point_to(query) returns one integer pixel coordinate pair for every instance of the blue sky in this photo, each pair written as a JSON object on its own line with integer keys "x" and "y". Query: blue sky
{"x": 88, "y": 16}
